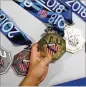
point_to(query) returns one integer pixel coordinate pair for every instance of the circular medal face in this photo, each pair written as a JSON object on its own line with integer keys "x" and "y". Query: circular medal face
{"x": 74, "y": 39}
{"x": 5, "y": 60}
{"x": 21, "y": 62}
{"x": 53, "y": 45}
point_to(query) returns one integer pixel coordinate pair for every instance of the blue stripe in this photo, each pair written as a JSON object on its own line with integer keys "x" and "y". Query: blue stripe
{"x": 78, "y": 82}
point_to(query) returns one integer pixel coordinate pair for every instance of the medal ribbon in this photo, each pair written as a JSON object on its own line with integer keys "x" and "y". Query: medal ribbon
{"x": 77, "y": 7}
{"x": 43, "y": 14}
{"x": 11, "y": 31}
{"x": 58, "y": 7}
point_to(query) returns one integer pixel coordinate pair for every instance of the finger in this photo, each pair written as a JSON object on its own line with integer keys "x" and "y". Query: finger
{"x": 35, "y": 55}
{"x": 34, "y": 48}
{"x": 46, "y": 61}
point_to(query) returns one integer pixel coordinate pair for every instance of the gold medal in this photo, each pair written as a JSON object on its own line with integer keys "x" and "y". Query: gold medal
{"x": 52, "y": 45}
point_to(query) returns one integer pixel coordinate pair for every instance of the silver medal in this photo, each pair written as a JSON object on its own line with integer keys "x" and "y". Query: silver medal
{"x": 74, "y": 39}
{"x": 5, "y": 60}
{"x": 21, "y": 61}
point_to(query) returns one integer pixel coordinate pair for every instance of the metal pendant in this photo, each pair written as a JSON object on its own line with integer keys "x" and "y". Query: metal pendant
{"x": 52, "y": 44}
{"x": 21, "y": 62}
{"x": 74, "y": 39}
{"x": 5, "y": 60}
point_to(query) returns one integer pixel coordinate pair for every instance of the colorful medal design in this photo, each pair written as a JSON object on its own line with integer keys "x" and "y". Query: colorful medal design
{"x": 52, "y": 44}
{"x": 74, "y": 39}
{"x": 21, "y": 62}
{"x": 5, "y": 60}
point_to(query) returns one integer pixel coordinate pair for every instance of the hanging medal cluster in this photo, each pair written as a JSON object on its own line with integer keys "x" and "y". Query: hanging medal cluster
{"x": 60, "y": 36}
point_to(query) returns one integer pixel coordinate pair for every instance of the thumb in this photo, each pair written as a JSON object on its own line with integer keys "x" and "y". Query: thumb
{"x": 46, "y": 61}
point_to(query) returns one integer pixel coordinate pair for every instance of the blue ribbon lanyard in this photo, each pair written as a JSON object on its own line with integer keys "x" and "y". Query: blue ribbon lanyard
{"x": 43, "y": 14}
{"x": 11, "y": 31}
{"x": 58, "y": 7}
{"x": 77, "y": 7}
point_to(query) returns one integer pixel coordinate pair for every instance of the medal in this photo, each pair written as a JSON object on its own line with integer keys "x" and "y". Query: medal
{"x": 74, "y": 39}
{"x": 52, "y": 45}
{"x": 5, "y": 60}
{"x": 21, "y": 61}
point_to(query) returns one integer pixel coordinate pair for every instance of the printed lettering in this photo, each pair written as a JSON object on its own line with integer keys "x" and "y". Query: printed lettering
{"x": 13, "y": 32}
{"x": 2, "y": 17}
{"x": 51, "y": 39}
{"x": 7, "y": 26}
{"x": 28, "y": 3}
{"x": 42, "y": 1}
{"x": 53, "y": 4}
{"x": 3, "y": 54}
{"x": 76, "y": 6}
{"x": 70, "y": 2}
{"x": 59, "y": 41}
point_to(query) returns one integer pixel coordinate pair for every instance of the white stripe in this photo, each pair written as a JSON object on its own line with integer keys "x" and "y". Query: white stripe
{"x": 26, "y": 61}
{"x": 43, "y": 5}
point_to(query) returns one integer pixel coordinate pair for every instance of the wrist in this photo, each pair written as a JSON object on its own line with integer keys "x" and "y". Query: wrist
{"x": 33, "y": 80}
{"x": 30, "y": 80}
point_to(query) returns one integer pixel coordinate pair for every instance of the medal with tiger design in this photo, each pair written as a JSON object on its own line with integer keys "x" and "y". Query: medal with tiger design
{"x": 52, "y": 45}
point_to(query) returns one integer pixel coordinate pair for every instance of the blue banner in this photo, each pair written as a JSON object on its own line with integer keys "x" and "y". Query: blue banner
{"x": 43, "y": 14}
{"x": 11, "y": 31}
{"x": 77, "y": 7}
{"x": 58, "y": 7}
{"x": 78, "y": 82}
